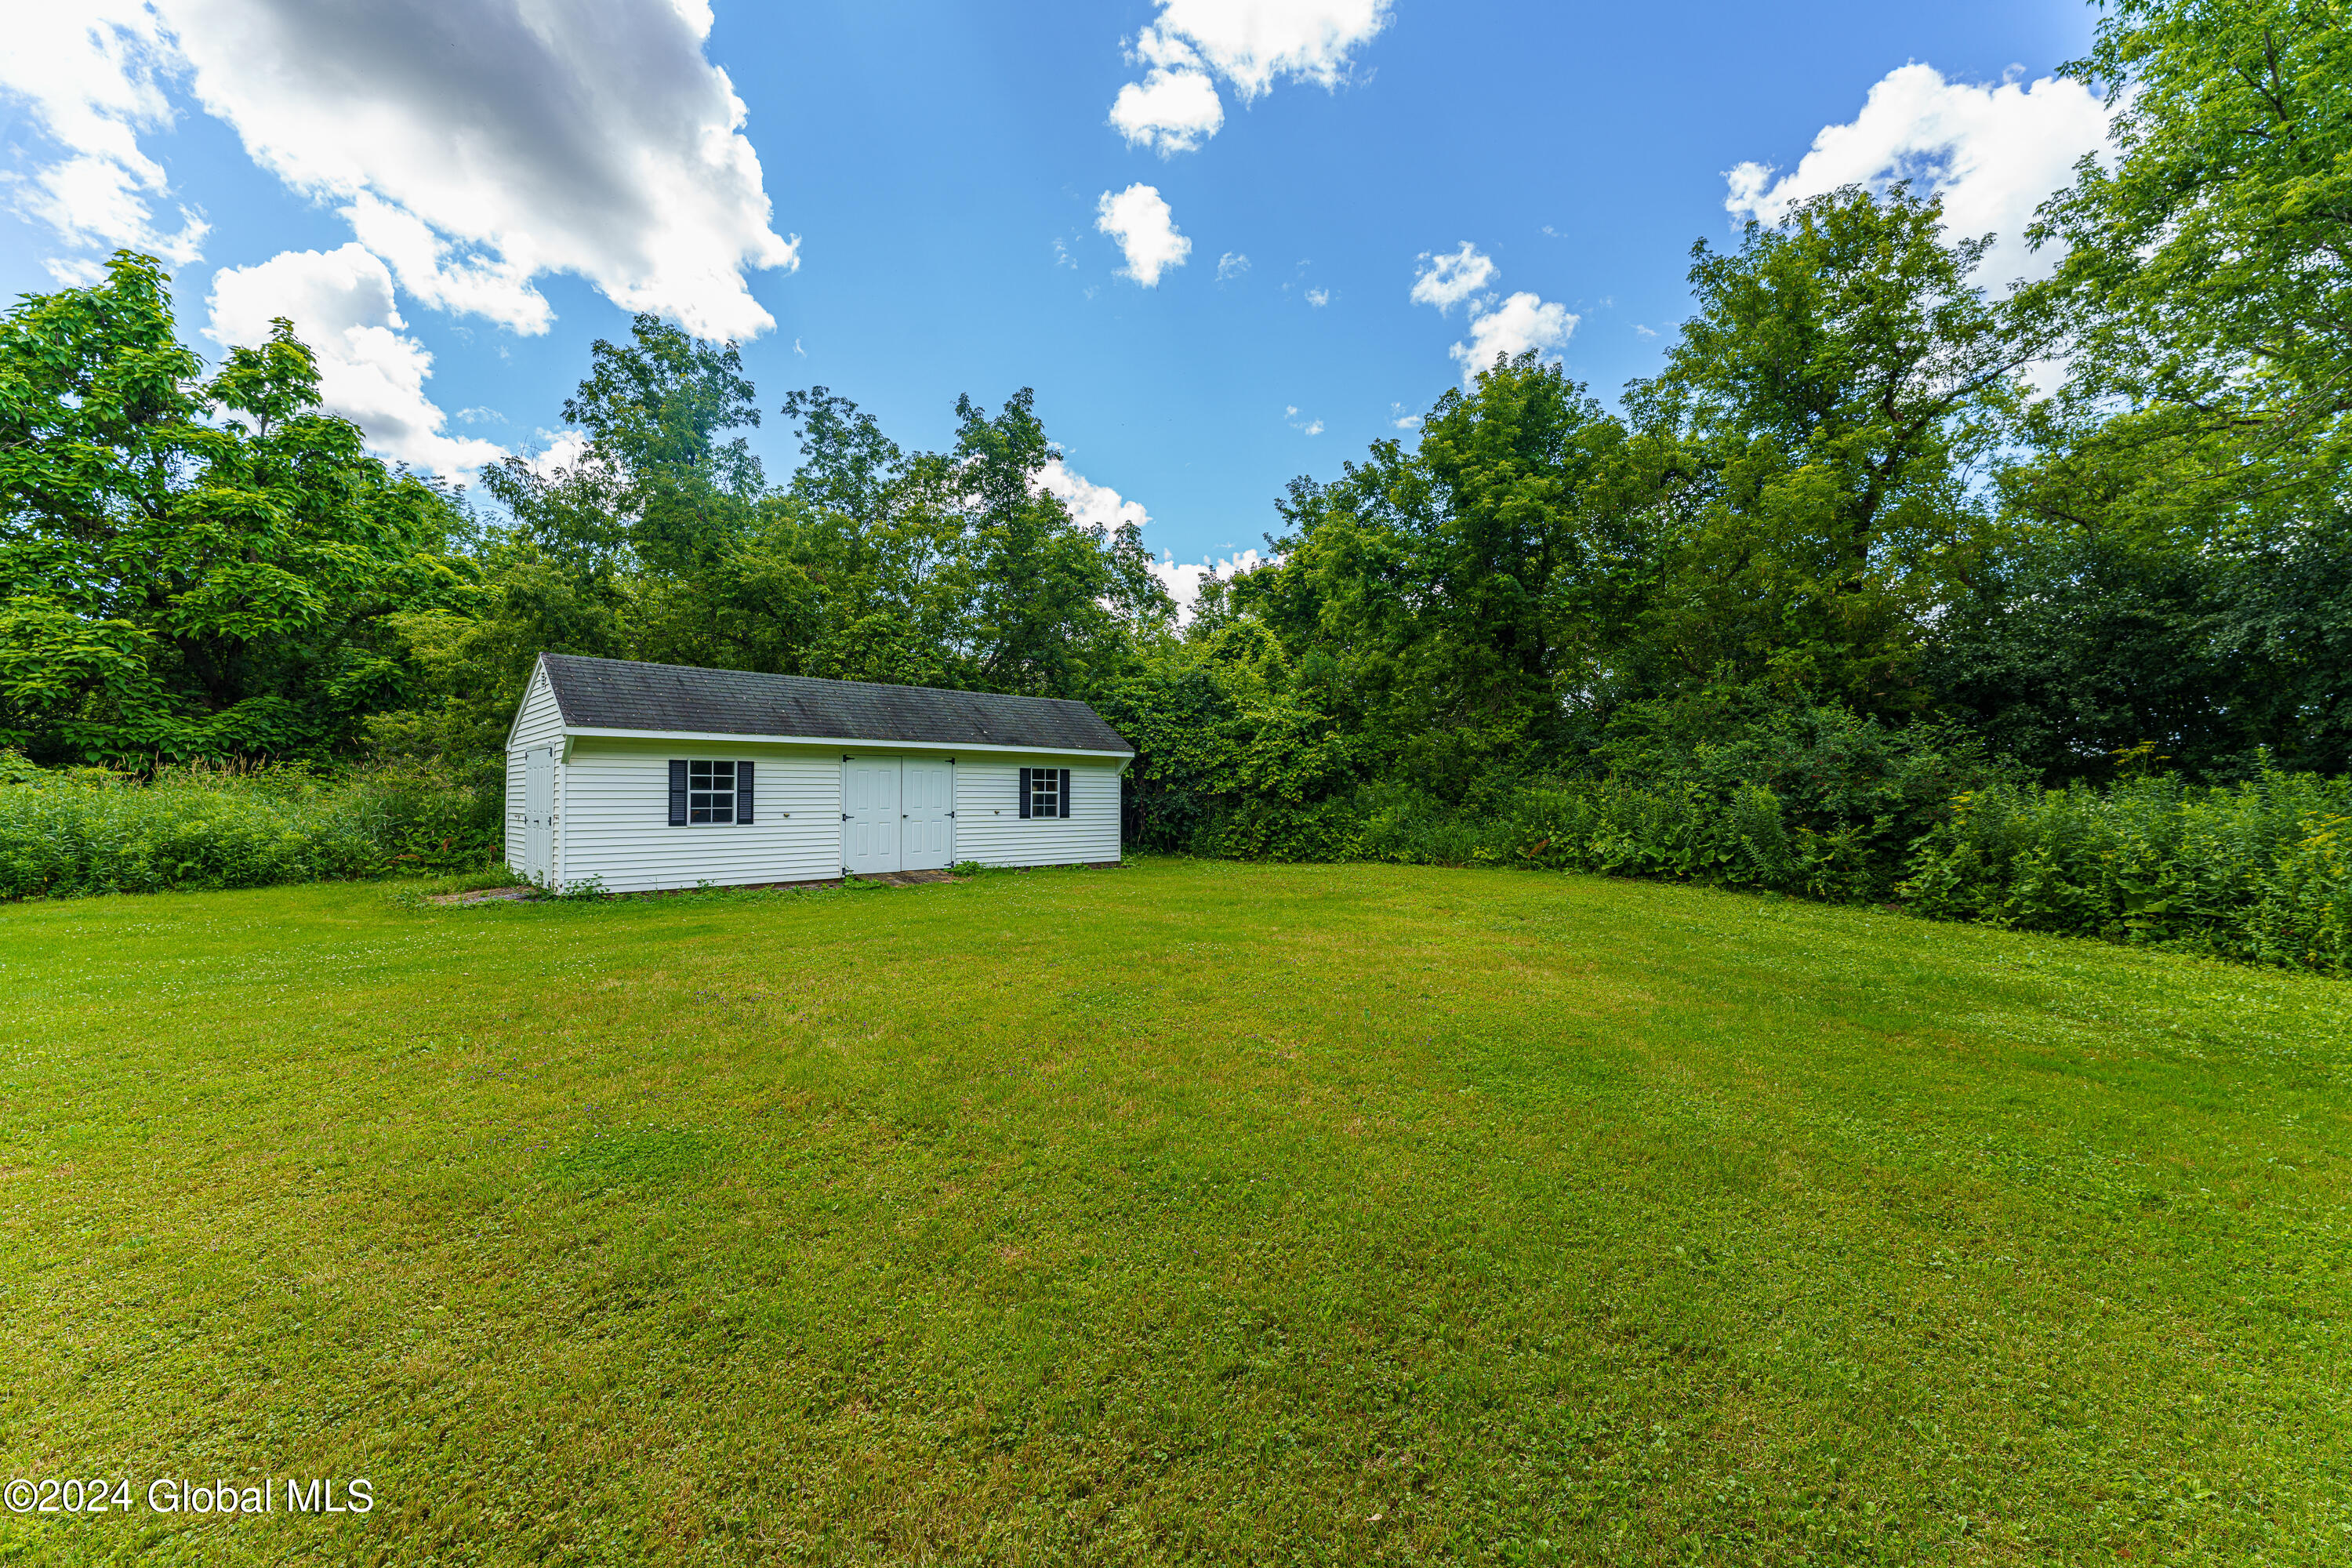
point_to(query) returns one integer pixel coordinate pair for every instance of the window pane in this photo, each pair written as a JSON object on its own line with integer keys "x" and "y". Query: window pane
{"x": 699, "y": 813}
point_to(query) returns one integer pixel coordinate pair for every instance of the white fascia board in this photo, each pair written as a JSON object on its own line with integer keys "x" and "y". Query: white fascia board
{"x": 524, "y": 701}
{"x": 830, "y": 742}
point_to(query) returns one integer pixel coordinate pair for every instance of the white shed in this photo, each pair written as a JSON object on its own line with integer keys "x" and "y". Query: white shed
{"x": 643, "y": 776}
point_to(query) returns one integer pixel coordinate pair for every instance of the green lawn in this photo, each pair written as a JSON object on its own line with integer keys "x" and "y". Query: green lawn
{"x": 1182, "y": 1213}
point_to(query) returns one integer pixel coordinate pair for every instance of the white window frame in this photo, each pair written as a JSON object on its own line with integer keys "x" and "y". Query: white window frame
{"x": 706, "y": 791}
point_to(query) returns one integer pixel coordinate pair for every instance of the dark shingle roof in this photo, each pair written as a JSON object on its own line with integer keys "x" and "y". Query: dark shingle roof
{"x": 620, "y": 694}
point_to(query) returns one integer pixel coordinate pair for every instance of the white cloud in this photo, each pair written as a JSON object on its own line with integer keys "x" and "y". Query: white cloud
{"x": 1318, "y": 297}
{"x": 1250, "y": 44}
{"x": 1232, "y": 264}
{"x": 1090, "y": 504}
{"x": 428, "y": 269}
{"x": 90, "y": 72}
{"x": 1140, "y": 221}
{"x": 562, "y": 449}
{"x": 1641, "y": 331}
{"x": 1310, "y": 427}
{"x": 1451, "y": 276}
{"x": 1169, "y": 112}
{"x": 1519, "y": 323}
{"x": 341, "y": 303}
{"x": 1993, "y": 154}
{"x": 1401, "y": 420}
{"x": 482, "y": 149}
{"x": 1182, "y": 581}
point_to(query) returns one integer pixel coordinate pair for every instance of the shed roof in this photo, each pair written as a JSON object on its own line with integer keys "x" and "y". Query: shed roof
{"x": 621, "y": 694}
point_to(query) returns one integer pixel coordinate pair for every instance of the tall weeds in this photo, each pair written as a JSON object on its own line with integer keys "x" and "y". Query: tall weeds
{"x": 72, "y": 832}
{"x": 2260, "y": 870}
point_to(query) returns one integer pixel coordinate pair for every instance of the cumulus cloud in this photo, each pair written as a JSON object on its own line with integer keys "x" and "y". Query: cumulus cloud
{"x": 1318, "y": 297}
{"x": 1519, "y": 323}
{"x": 1232, "y": 264}
{"x": 1182, "y": 580}
{"x": 1140, "y": 221}
{"x": 341, "y": 303}
{"x": 90, "y": 75}
{"x": 496, "y": 287}
{"x": 482, "y": 144}
{"x": 1169, "y": 112}
{"x": 1250, "y": 44}
{"x": 559, "y": 450}
{"x": 474, "y": 144}
{"x": 1993, "y": 154}
{"x": 1451, "y": 276}
{"x": 1498, "y": 331}
{"x": 1090, "y": 504}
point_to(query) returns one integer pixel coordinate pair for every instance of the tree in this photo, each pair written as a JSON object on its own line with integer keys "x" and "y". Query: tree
{"x": 2208, "y": 273}
{"x": 1049, "y": 598}
{"x": 1456, "y": 602}
{"x": 2077, "y": 645}
{"x": 191, "y": 567}
{"x": 654, "y": 485}
{"x": 1822, "y": 423}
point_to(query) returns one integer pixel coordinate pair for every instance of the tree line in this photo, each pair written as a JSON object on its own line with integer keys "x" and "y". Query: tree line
{"x": 1837, "y": 524}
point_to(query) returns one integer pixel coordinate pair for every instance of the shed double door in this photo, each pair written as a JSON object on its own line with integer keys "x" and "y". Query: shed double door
{"x": 898, "y": 814}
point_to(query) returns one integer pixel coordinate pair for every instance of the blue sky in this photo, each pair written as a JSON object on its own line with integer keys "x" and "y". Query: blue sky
{"x": 923, "y": 200}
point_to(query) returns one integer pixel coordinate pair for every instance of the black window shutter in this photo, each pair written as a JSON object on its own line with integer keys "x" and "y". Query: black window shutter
{"x": 1063, "y": 793}
{"x": 1024, "y": 791}
{"x": 677, "y": 793}
{"x": 744, "y": 793}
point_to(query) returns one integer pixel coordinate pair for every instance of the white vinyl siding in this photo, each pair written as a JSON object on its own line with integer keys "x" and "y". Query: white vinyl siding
{"x": 990, "y": 827}
{"x": 616, "y": 817}
{"x": 539, "y": 723}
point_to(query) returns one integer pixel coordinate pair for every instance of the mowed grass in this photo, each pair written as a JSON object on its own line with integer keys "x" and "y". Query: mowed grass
{"x": 1184, "y": 1213}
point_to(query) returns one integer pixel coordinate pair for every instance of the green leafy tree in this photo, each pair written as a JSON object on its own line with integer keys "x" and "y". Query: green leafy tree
{"x": 192, "y": 567}
{"x": 1050, "y": 598}
{"x": 2208, "y": 273}
{"x": 1456, "y": 600}
{"x": 1833, "y": 399}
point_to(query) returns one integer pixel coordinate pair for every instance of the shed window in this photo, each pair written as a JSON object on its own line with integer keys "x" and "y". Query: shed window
{"x": 709, "y": 791}
{"x": 1044, "y": 792}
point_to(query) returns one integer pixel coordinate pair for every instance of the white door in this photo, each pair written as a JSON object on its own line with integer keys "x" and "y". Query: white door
{"x": 869, "y": 815}
{"x": 927, "y": 841}
{"x": 539, "y": 814}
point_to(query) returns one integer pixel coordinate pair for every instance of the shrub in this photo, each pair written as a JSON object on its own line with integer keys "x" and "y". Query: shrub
{"x": 1825, "y": 806}
{"x": 2260, "y": 871}
{"x": 79, "y": 831}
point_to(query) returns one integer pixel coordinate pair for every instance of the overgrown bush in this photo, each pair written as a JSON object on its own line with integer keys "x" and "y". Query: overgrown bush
{"x": 68, "y": 831}
{"x": 1824, "y": 805}
{"x": 2260, "y": 870}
